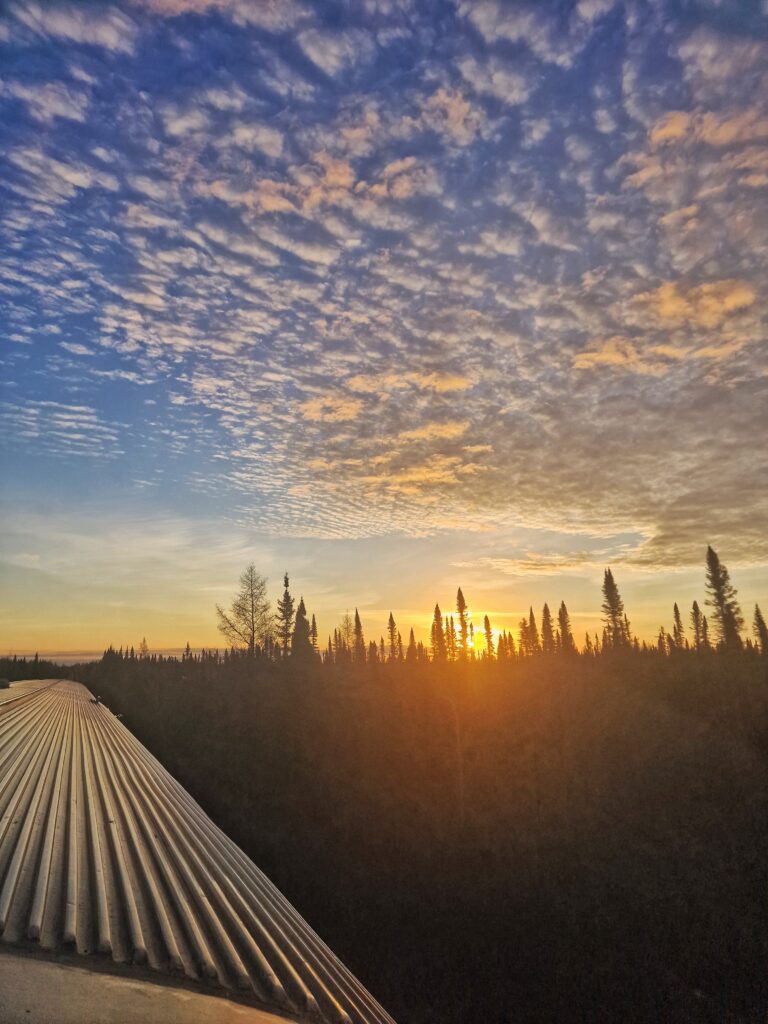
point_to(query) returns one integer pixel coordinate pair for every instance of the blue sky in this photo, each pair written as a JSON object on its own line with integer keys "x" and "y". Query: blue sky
{"x": 397, "y": 295}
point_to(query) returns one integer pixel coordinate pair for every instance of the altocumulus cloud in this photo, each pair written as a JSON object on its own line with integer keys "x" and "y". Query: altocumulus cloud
{"x": 392, "y": 271}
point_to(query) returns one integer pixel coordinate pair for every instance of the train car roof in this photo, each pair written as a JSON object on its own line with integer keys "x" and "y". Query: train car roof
{"x": 113, "y": 876}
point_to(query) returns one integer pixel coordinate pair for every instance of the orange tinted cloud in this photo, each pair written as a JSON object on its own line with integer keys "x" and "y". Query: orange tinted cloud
{"x": 707, "y": 305}
{"x": 712, "y": 129}
{"x": 436, "y": 431}
{"x": 329, "y": 409}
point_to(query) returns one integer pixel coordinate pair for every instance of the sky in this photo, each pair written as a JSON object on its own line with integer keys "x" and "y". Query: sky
{"x": 394, "y": 295}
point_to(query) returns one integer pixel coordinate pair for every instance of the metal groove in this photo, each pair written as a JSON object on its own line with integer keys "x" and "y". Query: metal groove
{"x": 103, "y": 852}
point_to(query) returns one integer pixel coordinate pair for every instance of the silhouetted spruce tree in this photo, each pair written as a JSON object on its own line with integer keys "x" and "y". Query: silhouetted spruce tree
{"x": 704, "y": 633}
{"x": 336, "y": 645}
{"x": 461, "y": 610}
{"x": 313, "y": 633}
{"x": 143, "y": 648}
{"x": 301, "y": 642}
{"x": 761, "y": 630}
{"x": 627, "y": 631}
{"x": 471, "y": 640}
{"x": 437, "y": 635}
{"x": 373, "y": 653}
{"x": 392, "y": 636}
{"x": 534, "y": 643}
{"x": 451, "y": 642}
{"x": 567, "y": 646}
{"x": 400, "y": 650}
{"x": 359, "y": 641}
{"x": 501, "y": 646}
{"x": 722, "y": 599}
{"x": 697, "y": 626}
{"x": 523, "y": 639}
{"x": 284, "y": 619}
{"x": 488, "y": 637}
{"x": 410, "y": 654}
{"x": 382, "y": 650}
{"x": 678, "y": 632}
{"x": 588, "y": 649}
{"x": 547, "y": 633}
{"x": 616, "y": 626}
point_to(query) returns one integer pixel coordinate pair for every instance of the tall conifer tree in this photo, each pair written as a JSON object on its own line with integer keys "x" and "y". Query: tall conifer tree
{"x": 359, "y": 641}
{"x": 534, "y": 643}
{"x": 313, "y": 633}
{"x": 301, "y": 643}
{"x": 437, "y": 636}
{"x": 678, "y": 632}
{"x": 696, "y": 625}
{"x": 567, "y": 646}
{"x": 392, "y": 631}
{"x": 616, "y": 628}
{"x": 488, "y": 637}
{"x": 461, "y": 610}
{"x": 761, "y": 631}
{"x": 285, "y": 615}
{"x": 722, "y": 599}
{"x": 547, "y": 633}
{"x": 410, "y": 654}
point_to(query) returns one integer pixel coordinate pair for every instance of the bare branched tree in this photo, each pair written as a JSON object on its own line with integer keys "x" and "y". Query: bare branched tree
{"x": 248, "y": 622}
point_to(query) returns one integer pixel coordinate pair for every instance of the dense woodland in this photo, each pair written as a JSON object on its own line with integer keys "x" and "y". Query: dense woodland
{"x": 533, "y": 831}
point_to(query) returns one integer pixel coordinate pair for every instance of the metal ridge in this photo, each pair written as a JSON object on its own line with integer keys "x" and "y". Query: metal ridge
{"x": 103, "y": 852}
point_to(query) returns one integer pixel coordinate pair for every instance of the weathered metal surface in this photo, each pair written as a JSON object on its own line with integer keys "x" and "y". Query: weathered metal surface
{"x": 103, "y": 852}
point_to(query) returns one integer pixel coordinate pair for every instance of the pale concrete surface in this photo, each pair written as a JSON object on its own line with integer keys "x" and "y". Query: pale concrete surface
{"x": 40, "y": 992}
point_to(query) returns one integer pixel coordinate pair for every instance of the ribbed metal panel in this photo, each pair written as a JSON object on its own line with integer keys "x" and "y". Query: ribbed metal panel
{"x": 102, "y": 851}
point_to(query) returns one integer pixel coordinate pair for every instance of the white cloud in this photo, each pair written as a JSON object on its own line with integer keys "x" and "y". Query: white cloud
{"x": 239, "y": 245}
{"x": 56, "y": 180}
{"x": 233, "y": 98}
{"x": 311, "y": 252}
{"x": 496, "y": 78}
{"x": 271, "y": 15}
{"x": 97, "y": 26}
{"x": 334, "y": 52}
{"x": 518, "y": 23}
{"x": 184, "y": 122}
{"x": 151, "y": 187}
{"x": 250, "y": 137}
{"x": 591, "y": 10}
{"x": 48, "y": 100}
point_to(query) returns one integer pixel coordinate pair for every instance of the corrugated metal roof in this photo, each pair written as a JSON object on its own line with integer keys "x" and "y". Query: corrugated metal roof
{"x": 102, "y": 851}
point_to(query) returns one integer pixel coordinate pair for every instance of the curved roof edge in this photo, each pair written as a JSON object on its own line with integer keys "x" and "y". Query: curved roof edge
{"x": 104, "y": 854}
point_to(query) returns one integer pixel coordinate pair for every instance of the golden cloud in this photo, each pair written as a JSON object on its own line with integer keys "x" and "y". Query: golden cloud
{"x": 381, "y": 383}
{"x": 445, "y": 431}
{"x": 712, "y": 129}
{"x": 706, "y": 304}
{"x": 616, "y": 352}
{"x": 331, "y": 409}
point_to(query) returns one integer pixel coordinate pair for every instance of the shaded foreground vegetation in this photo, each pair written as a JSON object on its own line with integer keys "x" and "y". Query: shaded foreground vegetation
{"x": 570, "y": 839}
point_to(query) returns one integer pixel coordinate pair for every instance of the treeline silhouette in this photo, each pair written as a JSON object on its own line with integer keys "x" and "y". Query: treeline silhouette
{"x": 537, "y": 833}
{"x": 15, "y": 669}
{"x": 252, "y": 629}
